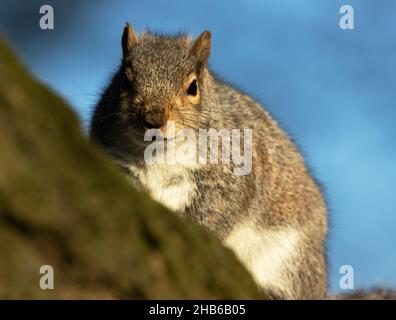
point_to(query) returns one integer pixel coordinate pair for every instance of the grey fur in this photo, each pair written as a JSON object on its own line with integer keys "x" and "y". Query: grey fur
{"x": 279, "y": 194}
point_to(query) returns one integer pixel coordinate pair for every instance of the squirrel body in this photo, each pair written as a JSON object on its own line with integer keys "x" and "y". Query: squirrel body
{"x": 273, "y": 218}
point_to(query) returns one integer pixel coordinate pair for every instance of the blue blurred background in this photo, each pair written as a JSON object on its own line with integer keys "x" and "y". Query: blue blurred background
{"x": 333, "y": 90}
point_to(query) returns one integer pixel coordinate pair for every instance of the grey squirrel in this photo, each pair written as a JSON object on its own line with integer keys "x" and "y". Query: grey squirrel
{"x": 273, "y": 218}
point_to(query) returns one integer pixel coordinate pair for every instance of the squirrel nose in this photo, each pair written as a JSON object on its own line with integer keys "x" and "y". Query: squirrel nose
{"x": 154, "y": 117}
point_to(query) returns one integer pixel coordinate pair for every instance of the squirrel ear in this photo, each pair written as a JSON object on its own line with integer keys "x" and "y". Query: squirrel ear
{"x": 201, "y": 48}
{"x": 129, "y": 39}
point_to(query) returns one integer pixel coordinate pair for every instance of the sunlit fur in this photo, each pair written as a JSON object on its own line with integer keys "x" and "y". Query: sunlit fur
{"x": 273, "y": 218}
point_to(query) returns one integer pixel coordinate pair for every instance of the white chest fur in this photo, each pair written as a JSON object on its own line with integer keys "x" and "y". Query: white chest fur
{"x": 171, "y": 185}
{"x": 265, "y": 253}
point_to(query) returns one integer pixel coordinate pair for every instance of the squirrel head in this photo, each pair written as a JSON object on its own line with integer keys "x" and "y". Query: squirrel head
{"x": 163, "y": 78}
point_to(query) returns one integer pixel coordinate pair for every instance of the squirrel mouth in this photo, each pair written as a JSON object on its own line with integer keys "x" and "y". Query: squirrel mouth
{"x": 173, "y": 138}
{"x": 163, "y": 138}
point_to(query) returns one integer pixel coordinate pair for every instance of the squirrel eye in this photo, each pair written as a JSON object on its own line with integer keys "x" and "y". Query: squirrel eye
{"x": 193, "y": 88}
